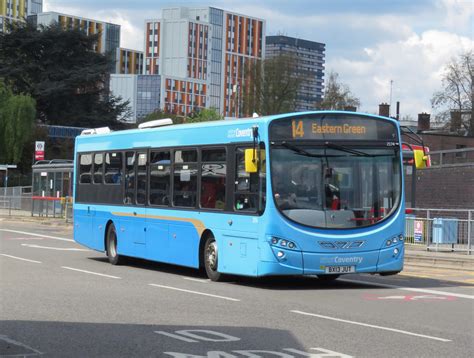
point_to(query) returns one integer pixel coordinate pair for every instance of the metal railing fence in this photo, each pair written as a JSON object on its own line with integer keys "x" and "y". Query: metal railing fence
{"x": 440, "y": 229}
{"x": 28, "y": 205}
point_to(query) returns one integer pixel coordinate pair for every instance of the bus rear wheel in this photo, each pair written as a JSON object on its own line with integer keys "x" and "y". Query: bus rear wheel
{"x": 111, "y": 246}
{"x": 328, "y": 278}
{"x": 210, "y": 259}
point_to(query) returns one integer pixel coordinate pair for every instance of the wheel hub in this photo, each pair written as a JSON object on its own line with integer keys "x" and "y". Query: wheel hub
{"x": 212, "y": 256}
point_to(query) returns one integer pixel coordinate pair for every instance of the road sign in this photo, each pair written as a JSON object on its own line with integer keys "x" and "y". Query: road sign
{"x": 39, "y": 150}
{"x": 418, "y": 231}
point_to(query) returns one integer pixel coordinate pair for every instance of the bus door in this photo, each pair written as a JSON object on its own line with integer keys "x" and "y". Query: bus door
{"x": 132, "y": 224}
{"x": 159, "y": 198}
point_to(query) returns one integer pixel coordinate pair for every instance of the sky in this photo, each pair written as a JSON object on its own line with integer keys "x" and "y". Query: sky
{"x": 369, "y": 43}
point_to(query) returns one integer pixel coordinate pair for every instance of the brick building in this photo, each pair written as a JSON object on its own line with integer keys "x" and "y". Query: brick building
{"x": 449, "y": 182}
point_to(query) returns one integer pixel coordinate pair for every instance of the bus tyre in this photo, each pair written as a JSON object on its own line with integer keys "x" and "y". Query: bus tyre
{"x": 111, "y": 249}
{"x": 328, "y": 278}
{"x": 210, "y": 259}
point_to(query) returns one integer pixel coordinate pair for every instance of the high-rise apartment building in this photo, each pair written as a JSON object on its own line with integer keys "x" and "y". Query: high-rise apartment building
{"x": 18, "y": 10}
{"x": 310, "y": 59}
{"x": 109, "y": 34}
{"x": 200, "y": 54}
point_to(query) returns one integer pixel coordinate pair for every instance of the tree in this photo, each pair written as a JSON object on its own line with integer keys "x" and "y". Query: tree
{"x": 17, "y": 114}
{"x": 458, "y": 92}
{"x": 337, "y": 96}
{"x": 204, "y": 115}
{"x": 271, "y": 85}
{"x": 61, "y": 70}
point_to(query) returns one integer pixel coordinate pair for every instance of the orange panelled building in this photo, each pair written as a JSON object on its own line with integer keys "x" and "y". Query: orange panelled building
{"x": 200, "y": 54}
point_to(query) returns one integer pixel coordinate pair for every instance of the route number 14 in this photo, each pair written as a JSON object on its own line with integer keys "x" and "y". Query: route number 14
{"x": 297, "y": 128}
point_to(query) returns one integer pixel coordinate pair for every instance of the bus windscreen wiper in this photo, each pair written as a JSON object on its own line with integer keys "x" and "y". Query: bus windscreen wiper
{"x": 300, "y": 151}
{"x": 347, "y": 150}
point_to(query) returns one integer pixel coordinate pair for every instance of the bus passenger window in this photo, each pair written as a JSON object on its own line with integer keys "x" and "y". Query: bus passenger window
{"x": 213, "y": 174}
{"x": 113, "y": 168}
{"x": 85, "y": 165}
{"x": 185, "y": 178}
{"x": 98, "y": 168}
{"x": 249, "y": 187}
{"x": 129, "y": 178}
{"x": 160, "y": 178}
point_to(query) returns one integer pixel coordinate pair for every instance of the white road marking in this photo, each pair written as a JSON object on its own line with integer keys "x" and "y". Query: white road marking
{"x": 54, "y": 248}
{"x": 175, "y": 336}
{"x": 38, "y": 235}
{"x": 196, "y": 279}
{"x": 20, "y": 258}
{"x": 25, "y": 238}
{"x": 412, "y": 289}
{"x": 90, "y": 272}
{"x": 19, "y": 344}
{"x": 195, "y": 292}
{"x": 371, "y": 326}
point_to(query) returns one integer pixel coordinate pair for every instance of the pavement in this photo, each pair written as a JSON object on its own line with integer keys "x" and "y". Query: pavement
{"x": 60, "y": 299}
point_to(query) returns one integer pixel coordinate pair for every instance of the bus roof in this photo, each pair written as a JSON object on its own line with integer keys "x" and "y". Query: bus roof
{"x": 146, "y": 137}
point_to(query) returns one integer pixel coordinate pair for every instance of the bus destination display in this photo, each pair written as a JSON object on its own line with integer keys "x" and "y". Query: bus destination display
{"x": 323, "y": 127}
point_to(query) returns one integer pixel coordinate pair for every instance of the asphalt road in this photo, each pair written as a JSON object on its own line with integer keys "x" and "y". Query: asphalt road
{"x": 59, "y": 299}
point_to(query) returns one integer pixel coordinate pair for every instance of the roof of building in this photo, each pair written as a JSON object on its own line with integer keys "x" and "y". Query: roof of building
{"x": 293, "y": 41}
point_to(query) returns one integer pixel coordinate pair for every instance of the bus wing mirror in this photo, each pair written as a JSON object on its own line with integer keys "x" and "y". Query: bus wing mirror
{"x": 251, "y": 160}
{"x": 422, "y": 160}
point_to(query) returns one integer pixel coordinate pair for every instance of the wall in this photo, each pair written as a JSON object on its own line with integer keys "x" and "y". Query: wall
{"x": 443, "y": 187}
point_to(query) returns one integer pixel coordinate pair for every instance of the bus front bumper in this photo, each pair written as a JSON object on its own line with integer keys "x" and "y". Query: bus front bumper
{"x": 289, "y": 262}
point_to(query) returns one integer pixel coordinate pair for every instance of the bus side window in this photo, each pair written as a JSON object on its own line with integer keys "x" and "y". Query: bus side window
{"x": 160, "y": 178}
{"x": 213, "y": 174}
{"x": 98, "y": 168}
{"x": 249, "y": 187}
{"x": 185, "y": 178}
{"x": 113, "y": 168}
{"x": 85, "y": 165}
{"x": 129, "y": 178}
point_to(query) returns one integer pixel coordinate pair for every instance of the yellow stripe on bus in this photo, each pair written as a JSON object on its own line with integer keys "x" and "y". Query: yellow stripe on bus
{"x": 198, "y": 224}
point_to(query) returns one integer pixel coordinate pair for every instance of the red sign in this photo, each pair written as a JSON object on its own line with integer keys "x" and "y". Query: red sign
{"x": 39, "y": 150}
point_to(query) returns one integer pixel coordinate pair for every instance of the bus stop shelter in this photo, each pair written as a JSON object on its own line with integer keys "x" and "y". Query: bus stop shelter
{"x": 51, "y": 187}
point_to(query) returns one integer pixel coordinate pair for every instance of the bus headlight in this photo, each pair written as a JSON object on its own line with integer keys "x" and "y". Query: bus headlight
{"x": 395, "y": 252}
{"x": 280, "y": 254}
{"x": 283, "y": 243}
{"x": 388, "y": 242}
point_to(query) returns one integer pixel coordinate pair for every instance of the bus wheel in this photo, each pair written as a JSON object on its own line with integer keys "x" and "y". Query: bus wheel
{"x": 114, "y": 258}
{"x": 210, "y": 259}
{"x": 328, "y": 278}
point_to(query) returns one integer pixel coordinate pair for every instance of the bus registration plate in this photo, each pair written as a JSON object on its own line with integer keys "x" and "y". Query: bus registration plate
{"x": 340, "y": 269}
